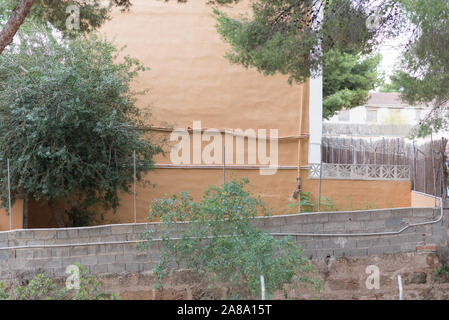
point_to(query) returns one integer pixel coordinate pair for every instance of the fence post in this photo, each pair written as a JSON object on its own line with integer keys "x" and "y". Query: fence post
{"x": 9, "y": 198}
{"x": 135, "y": 210}
{"x": 414, "y": 165}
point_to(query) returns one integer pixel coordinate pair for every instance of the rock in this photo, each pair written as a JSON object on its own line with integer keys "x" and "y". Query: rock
{"x": 416, "y": 278}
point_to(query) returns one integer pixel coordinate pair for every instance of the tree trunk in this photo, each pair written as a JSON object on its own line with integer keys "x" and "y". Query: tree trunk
{"x": 25, "y": 212}
{"x": 16, "y": 19}
{"x": 56, "y": 214}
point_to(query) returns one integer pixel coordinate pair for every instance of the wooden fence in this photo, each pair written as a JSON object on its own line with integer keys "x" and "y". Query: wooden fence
{"x": 425, "y": 159}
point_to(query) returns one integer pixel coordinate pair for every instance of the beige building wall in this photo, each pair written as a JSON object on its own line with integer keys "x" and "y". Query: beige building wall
{"x": 16, "y": 216}
{"x": 191, "y": 80}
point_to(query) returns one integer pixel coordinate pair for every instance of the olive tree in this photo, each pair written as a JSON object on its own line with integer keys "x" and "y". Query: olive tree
{"x": 69, "y": 123}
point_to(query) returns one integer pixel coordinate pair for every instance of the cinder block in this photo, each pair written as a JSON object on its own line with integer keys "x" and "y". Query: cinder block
{"x": 408, "y": 247}
{"x": 122, "y": 229}
{"x": 78, "y": 251}
{"x": 24, "y": 234}
{"x": 44, "y": 234}
{"x": 364, "y": 243}
{"x": 116, "y": 268}
{"x": 341, "y": 216}
{"x": 96, "y": 249}
{"x": 53, "y": 263}
{"x": 98, "y": 269}
{"x": 60, "y": 252}
{"x": 376, "y": 251}
{"x": 372, "y": 226}
{"x": 423, "y": 212}
{"x": 42, "y": 253}
{"x": 313, "y": 244}
{"x": 338, "y": 253}
{"x": 292, "y": 228}
{"x": 4, "y": 255}
{"x": 62, "y": 234}
{"x": 3, "y": 236}
{"x": 358, "y": 252}
{"x": 88, "y": 232}
{"x": 394, "y": 223}
{"x": 317, "y": 218}
{"x": 354, "y": 226}
{"x": 391, "y": 249}
{"x": 106, "y": 259}
{"x": 334, "y": 227}
{"x": 272, "y": 229}
{"x": 58, "y": 272}
{"x": 139, "y": 228}
{"x": 271, "y": 222}
{"x": 313, "y": 228}
{"x": 323, "y": 253}
{"x": 35, "y": 242}
{"x": 134, "y": 267}
{"x": 24, "y": 253}
{"x": 68, "y": 261}
{"x": 89, "y": 260}
{"x": 114, "y": 248}
{"x": 125, "y": 258}
{"x": 105, "y": 231}
{"x": 362, "y": 216}
{"x": 338, "y": 243}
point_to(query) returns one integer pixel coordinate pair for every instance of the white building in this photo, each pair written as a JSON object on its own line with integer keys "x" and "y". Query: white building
{"x": 384, "y": 114}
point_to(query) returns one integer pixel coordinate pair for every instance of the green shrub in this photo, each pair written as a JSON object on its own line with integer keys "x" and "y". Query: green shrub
{"x": 44, "y": 288}
{"x": 3, "y": 294}
{"x": 221, "y": 243}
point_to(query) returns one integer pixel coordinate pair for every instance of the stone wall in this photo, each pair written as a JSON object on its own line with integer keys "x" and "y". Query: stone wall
{"x": 113, "y": 249}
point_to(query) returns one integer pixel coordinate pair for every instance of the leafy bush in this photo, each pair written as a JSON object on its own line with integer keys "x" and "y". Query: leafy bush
{"x": 442, "y": 272}
{"x": 221, "y": 243}
{"x": 44, "y": 288}
{"x": 307, "y": 204}
{"x": 69, "y": 124}
{"x": 3, "y": 294}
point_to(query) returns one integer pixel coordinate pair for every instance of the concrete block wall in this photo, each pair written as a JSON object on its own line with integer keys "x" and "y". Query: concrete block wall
{"x": 114, "y": 249}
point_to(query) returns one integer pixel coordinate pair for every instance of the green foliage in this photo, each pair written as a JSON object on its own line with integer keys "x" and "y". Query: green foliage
{"x": 40, "y": 288}
{"x": 307, "y": 204}
{"x": 347, "y": 80}
{"x": 442, "y": 272}
{"x": 93, "y": 13}
{"x": 44, "y": 288}
{"x": 221, "y": 243}
{"x": 69, "y": 121}
{"x": 280, "y": 38}
{"x": 90, "y": 288}
{"x": 3, "y": 294}
{"x": 423, "y": 75}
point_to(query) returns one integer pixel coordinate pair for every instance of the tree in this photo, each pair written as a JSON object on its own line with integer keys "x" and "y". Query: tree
{"x": 282, "y": 37}
{"x": 68, "y": 123}
{"x": 16, "y": 19}
{"x": 347, "y": 80}
{"x": 92, "y": 15}
{"x": 220, "y": 242}
{"x": 423, "y": 76}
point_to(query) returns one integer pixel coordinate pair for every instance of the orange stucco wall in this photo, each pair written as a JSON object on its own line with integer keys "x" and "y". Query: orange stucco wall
{"x": 191, "y": 80}
{"x": 420, "y": 200}
{"x": 16, "y": 217}
{"x": 362, "y": 194}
